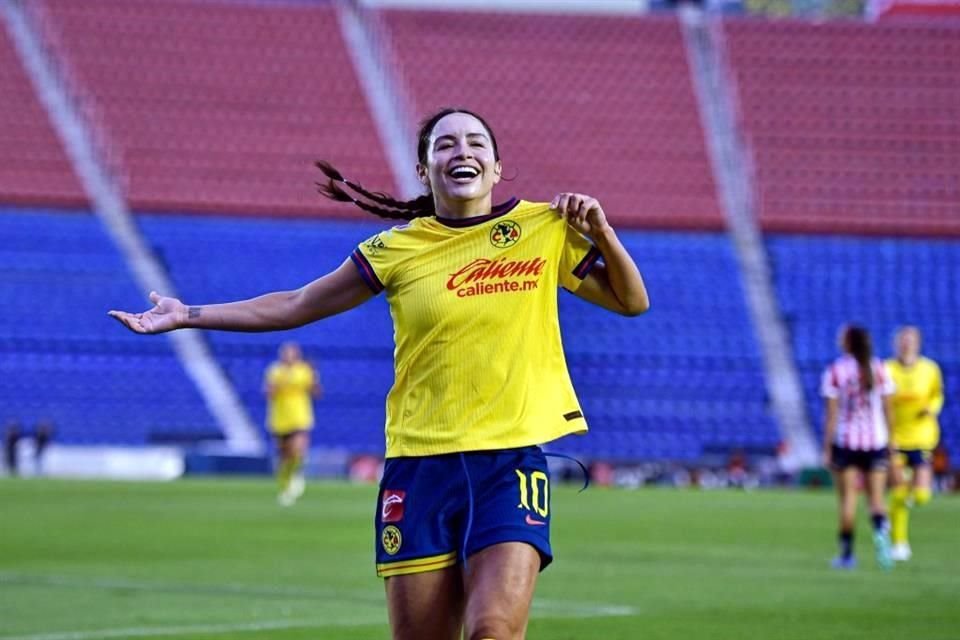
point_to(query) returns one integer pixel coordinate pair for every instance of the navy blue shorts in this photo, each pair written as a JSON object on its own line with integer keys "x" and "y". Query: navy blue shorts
{"x": 436, "y": 511}
{"x": 914, "y": 458}
{"x": 870, "y": 460}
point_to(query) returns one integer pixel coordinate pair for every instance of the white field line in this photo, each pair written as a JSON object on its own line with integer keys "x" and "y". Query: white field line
{"x": 571, "y": 609}
{"x": 209, "y": 629}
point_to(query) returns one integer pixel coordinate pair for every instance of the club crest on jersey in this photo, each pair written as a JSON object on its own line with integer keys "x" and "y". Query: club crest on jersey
{"x": 505, "y": 233}
{"x": 391, "y": 539}
{"x": 391, "y": 507}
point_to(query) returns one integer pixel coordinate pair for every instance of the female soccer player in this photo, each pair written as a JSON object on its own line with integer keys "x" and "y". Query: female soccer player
{"x": 290, "y": 384}
{"x": 856, "y": 439}
{"x": 916, "y": 405}
{"x": 463, "y": 518}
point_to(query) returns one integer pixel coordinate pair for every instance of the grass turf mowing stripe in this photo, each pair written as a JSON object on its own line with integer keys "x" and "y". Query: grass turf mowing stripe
{"x": 543, "y": 608}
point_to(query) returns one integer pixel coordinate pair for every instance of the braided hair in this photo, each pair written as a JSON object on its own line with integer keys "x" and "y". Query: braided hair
{"x": 338, "y": 188}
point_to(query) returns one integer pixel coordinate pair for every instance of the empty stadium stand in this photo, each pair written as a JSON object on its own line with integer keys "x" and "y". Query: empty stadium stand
{"x": 855, "y": 128}
{"x": 599, "y": 105}
{"x": 34, "y": 168}
{"x": 682, "y": 382}
{"x": 670, "y": 385}
{"x": 825, "y": 282}
{"x": 220, "y": 106}
{"x": 62, "y": 358}
{"x": 215, "y": 259}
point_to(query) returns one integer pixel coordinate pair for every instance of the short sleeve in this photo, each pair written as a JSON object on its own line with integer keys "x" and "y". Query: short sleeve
{"x": 577, "y": 258}
{"x": 374, "y": 261}
{"x": 272, "y": 375}
{"x": 887, "y": 386}
{"x": 829, "y": 384}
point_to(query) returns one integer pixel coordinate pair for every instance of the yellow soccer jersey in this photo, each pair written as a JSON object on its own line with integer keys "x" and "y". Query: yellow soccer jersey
{"x": 290, "y": 407}
{"x": 918, "y": 387}
{"x": 478, "y": 363}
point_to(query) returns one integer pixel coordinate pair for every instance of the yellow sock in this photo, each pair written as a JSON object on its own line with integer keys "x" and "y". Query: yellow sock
{"x": 922, "y": 495}
{"x": 899, "y": 514}
{"x": 284, "y": 473}
{"x": 296, "y": 463}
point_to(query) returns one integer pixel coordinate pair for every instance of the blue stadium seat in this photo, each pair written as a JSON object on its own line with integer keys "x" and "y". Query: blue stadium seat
{"x": 63, "y": 359}
{"x": 684, "y": 379}
{"x": 691, "y": 362}
{"x": 825, "y": 281}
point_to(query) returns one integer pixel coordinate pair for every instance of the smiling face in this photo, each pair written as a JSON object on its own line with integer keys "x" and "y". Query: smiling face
{"x": 461, "y": 164}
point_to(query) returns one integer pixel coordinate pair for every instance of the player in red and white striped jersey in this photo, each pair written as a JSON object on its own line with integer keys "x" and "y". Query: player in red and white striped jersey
{"x": 857, "y": 390}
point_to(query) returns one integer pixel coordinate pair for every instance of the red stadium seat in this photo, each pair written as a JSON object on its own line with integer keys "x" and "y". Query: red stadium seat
{"x": 34, "y": 168}
{"x": 223, "y": 106}
{"x": 602, "y": 105}
{"x": 854, "y": 128}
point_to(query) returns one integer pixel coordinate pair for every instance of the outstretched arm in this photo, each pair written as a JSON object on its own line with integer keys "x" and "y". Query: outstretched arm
{"x": 334, "y": 293}
{"x": 616, "y": 284}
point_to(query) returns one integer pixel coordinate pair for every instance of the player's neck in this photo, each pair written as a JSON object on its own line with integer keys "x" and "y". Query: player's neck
{"x": 908, "y": 361}
{"x": 460, "y": 209}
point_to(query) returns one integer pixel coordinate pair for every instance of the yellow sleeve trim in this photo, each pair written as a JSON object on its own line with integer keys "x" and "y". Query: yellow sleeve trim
{"x": 420, "y": 565}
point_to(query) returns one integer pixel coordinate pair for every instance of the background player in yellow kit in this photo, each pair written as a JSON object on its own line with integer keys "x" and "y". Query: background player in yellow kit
{"x": 290, "y": 385}
{"x": 464, "y": 514}
{"x": 916, "y": 405}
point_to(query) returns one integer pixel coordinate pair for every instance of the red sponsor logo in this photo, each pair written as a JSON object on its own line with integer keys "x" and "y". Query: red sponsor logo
{"x": 483, "y": 275}
{"x": 391, "y": 507}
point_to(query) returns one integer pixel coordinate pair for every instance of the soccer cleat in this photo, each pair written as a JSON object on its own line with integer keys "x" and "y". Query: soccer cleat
{"x": 286, "y": 498}
{"x": 845, "y": 563}
{"x": 297, "y": 486}
{"x": 901, "y": 552}
{"x": 881, "y": 545}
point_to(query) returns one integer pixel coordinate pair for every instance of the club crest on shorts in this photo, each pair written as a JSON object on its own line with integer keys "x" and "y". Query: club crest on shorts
{"x": 391, "y": 539}
{"x": 505, "y": 233}
{"x": 391, "y": 506}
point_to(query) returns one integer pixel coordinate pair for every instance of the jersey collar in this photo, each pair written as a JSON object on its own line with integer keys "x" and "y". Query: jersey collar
{"x": 498, "y": 210}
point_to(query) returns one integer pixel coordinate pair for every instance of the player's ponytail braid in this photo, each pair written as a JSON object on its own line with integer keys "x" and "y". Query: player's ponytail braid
{"x": 337, "y": 187}
{"x": 860, "y": 347}
{"x": 377, "y": 203}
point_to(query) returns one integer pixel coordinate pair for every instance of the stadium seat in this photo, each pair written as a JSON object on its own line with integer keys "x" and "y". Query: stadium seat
{"x": 34, "y": 168}
{"x": 824, "y": 282}
{"x": 222, "y": 106}
{"x": 643, "y": 379}
{"x": 631, "y": 135}
{"x": 63, "y": 359}
{"x": 853, "y": 127}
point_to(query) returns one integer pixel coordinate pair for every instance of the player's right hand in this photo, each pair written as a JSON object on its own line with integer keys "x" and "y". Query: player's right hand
{"x": 827, "y": 458}
{"x": 167, "y": 314}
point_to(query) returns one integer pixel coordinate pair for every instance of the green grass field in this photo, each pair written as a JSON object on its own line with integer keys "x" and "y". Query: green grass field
{"x": 218, "y": 559}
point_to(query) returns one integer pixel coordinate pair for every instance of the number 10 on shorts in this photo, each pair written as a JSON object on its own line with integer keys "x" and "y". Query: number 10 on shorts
{"x": 534, "y": 491}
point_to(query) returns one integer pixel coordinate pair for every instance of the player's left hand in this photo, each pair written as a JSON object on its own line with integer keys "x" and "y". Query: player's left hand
{"x": 582, "y": 212}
